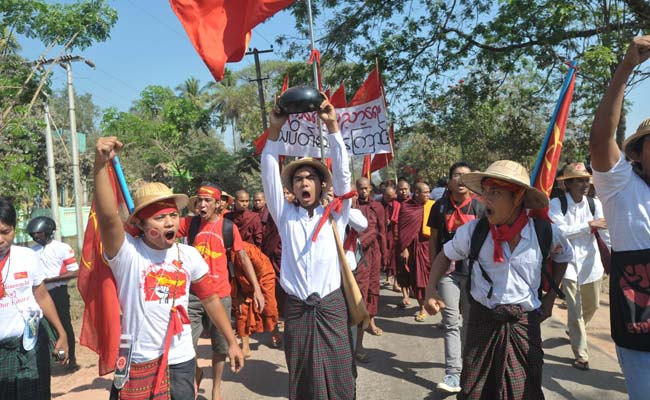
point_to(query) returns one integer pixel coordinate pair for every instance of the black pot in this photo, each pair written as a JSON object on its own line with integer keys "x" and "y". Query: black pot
{"x": 300, "y": 99}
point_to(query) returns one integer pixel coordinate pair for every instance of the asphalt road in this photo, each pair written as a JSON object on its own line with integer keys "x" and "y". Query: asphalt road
{"x": 407, "y": 361}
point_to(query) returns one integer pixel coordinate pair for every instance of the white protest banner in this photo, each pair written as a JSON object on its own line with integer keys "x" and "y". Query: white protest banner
{"x": 363, "y": 128}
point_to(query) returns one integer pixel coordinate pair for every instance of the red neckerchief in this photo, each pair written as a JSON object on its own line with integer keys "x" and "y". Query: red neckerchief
{"x": 505, "y": 233}
{"x": 335, "y": 205}
{"x": 2, "y": 267}
{"x": 457, "y": 218}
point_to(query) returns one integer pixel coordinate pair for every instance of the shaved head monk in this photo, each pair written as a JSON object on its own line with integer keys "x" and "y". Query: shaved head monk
{"x": 413, "y": 244}
{"x": 259, "y": 201}
{"x": 391, "y": 215}
{"x": 248, "y": 222}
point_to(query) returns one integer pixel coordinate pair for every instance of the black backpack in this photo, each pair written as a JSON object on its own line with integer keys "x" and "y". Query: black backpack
{"x": 544, "y": 234}
{"x": 564, "y": 205}
{"x": 228, "y": 240}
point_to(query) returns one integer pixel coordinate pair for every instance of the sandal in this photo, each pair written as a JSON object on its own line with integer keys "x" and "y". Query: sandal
{"x": 421, "y": 316}
{"x": 276, "y": 340}
{"x": 375, "y": 332}
{"x": 581, "y": 365}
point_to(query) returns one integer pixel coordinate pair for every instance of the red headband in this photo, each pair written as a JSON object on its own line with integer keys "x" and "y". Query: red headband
{"x": 209, "y": 191}
{"x": 160, "y": 207}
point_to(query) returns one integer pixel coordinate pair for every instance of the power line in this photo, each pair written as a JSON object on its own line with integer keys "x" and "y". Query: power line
{"x": 144, "y": 10}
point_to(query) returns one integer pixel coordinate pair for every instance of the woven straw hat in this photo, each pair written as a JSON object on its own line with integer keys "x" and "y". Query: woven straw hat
{"x": 152, "y": 192}
{"x": 508, "y": 171}
{"x": 574, "y": 170}
{"x": 629, "y": 143}
{"x": 290, "y": 170}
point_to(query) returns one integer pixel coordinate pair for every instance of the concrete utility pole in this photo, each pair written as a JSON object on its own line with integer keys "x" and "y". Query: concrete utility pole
{"x": 54, "y": 194}
{"x": 259, "y": 80}
{"x": 66, "y": 63}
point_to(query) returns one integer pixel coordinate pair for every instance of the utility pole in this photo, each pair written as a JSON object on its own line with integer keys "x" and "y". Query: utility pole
{"x": 66, "y": 63}
{"x": 315, "y": 70}
{"x": 259, "y": 80}
{"x": 54, "y": 194}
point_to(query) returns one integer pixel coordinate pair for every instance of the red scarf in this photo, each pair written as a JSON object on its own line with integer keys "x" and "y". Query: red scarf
{"x": 336, "y": 205}
{"x": 505, "y": 233}
{"x": 458, "y": 218}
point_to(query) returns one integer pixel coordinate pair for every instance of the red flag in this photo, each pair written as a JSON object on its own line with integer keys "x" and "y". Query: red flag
{"x": 369, "y": 91}
{"x": 365, "y": 170}
{"x": 338, "y": 98}
{"x": 100, "y": 330}
{"x": 260, "y": 142}
{"x": 221, "y": 29}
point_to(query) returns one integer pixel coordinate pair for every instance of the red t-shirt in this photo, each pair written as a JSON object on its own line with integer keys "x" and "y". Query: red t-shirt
{"x": 209, "y": 242}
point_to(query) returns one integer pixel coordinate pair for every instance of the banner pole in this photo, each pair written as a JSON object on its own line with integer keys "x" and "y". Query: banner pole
{"x": 315, "y": 70}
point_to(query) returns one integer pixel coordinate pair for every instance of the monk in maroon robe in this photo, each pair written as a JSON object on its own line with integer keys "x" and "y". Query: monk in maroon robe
{"x": 249, "y": 223}
{"x": 391, "y": 215}
{"x": 368, "y": 270}
{"x": 271, "y": 245}
{"x": 402, "y": 275}
{"x": 413, "y": 244}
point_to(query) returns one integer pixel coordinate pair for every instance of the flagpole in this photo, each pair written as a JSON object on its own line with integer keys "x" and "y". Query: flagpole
{"x": 540, "y": 156}
{"x": 122, "y": 181}
{"x": 315, "y": 70}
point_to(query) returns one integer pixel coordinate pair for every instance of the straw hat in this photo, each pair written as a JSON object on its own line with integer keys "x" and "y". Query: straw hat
{"x": 290, "y": 170}
{"x": 152, "y": 192}
{"x": 508, "y": 171}
{"x": 574, "y": 170}
{"x": 227, "y": 197}
{"x": 629, "y": 143}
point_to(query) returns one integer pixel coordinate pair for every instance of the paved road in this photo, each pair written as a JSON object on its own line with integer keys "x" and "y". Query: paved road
{"x": 407, "y": 361}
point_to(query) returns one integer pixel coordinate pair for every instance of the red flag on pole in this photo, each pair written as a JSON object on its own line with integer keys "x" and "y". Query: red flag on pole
{"x": 221, "y": 29}
{"x": 369, "y": 91}
{"x": 365, "y": 170}
{"x": 100, "y": 329}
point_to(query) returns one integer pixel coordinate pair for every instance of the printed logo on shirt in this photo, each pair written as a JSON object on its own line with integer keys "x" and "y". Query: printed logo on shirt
{"x": 162, "y": 286}
{"x": 20, "y": 275}
{"x": 204, "y": 249}
{"x": 635, "y": 284}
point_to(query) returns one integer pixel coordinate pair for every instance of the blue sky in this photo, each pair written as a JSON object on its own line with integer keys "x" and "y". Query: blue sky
{"x": 148, "y": 46}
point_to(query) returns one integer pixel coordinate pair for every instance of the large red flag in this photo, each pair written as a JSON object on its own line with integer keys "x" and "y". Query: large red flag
{"x": 260, "y": 142}
{"x": 100, "y": 330}
{"x": 221, "y": 29}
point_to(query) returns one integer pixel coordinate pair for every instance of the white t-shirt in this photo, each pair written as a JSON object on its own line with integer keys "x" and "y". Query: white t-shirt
{"x": 517, "y": 279}
{"x": 20, "y": 274}
{"x": 146, "y": 282}
{"x": 586, "y": 266}
{"x": 626, "y": 205}
{"x": 56, "y": 258}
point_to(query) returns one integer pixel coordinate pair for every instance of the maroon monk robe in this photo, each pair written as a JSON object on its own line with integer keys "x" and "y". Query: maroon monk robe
{"x": 391, "y": 213}
{"x": 272, "y": 248}
{"x": 411, "y": 238}
{"x": 249, "y": 225}
{"x": 367, "y": 275}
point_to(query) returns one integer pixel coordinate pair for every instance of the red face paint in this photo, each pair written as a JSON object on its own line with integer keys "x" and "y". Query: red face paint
{"x": 154, "y": 233}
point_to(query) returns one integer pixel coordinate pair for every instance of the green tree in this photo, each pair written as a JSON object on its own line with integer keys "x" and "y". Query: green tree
{"x": 422, "y": 45}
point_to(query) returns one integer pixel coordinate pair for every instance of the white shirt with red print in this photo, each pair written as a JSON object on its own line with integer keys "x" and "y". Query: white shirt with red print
{"x": 148, "y": 281}
{"x": 20, "y": 274}
{"x": 56, "y": 258}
